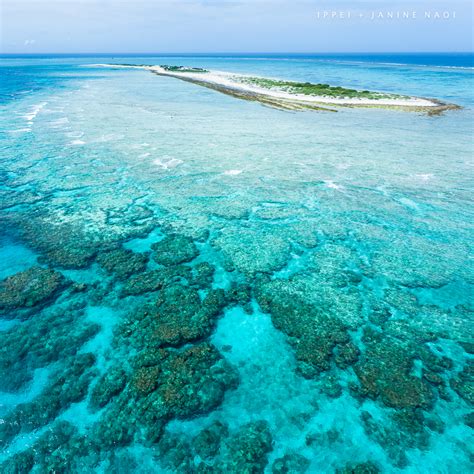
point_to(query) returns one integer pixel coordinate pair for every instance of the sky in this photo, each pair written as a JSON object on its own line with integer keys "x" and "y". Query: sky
{"x": 211, "y": 26}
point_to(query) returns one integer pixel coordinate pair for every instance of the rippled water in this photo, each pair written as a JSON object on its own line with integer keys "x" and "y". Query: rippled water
{"x": 193, "y": 283}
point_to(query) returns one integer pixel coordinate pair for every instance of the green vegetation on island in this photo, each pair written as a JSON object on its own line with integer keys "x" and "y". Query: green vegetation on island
{"x": 319, "y": 90}
{"x": 182, "y": 68}
{"x": 300, "y": 95}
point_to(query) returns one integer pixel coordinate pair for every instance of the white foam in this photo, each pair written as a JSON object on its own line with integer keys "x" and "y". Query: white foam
{"x": 109, "y": 137}
{"x": 20, "y": 130}
{"x": 169, "y": 164}
{"x": 59, "y": 122}
{"x": 425, "y": 177}
{"x": 75, "y": 134}
{"x": 173, "y": 163}
{"x": 409, "y": 203}
{"x": 332, "y": 185}
{"x": 78, "y": 142}
{"x": 232, "y": 172}
{"x": 35, "y": 110}
{"x": 139, "y": 145}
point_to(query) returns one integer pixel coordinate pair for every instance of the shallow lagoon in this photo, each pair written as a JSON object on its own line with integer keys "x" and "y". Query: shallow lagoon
{"x": 231, "y": 287}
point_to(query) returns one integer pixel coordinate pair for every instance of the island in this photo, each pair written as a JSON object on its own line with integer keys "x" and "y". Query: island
{"x": 293, "y": 95}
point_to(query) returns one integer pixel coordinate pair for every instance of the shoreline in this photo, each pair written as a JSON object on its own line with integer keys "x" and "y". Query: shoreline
{"x": 235, "y": 85}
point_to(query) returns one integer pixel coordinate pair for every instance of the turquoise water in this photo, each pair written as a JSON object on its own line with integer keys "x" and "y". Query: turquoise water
{"x": 193, "y": 283}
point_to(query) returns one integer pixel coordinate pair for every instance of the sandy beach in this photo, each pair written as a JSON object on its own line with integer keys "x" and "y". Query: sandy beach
{"x": 236, "y": 85}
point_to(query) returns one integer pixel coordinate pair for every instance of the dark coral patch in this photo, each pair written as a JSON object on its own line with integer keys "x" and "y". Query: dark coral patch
{"x": 59, "y": 449}
{"x": 385, "y": 371}
{"x": 145, "y": 380}
{"x": 174, "y": 249}
{"x": 215, "y": 450}
{"x": 155, "y": 280}
{"x": 194, "y": 381}
{"x": 122, "y": 263}
{"x": 202, "y": 275}
{"x": 207, "y": 443}
{"x": 290, "y": 463}
{"x": 469, "y": 419}
{"x": 176, "y": 454}
{"x": 405, "y": 429}
{"x": 29, "y": 288}
{"x": 65, "y": 387}
{"x": 178, "y": 316}
{"x": 346, "y": 354}
{"x": 59, "y": 245}
{"x": 362, "y": 468}
{"x": 313, "y": 333}
{"x": 248, "y": 450}
{"x": 39, "y": 342}
{"x": 107, "y": 387}
{"x": 463, "y": 383}
{"x": 166, "y": 383}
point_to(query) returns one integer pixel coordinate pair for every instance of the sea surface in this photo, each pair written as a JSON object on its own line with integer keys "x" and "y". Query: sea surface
{"x": 193, "y": 283}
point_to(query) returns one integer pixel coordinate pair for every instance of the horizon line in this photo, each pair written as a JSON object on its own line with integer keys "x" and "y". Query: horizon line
{"x": 115, "y": 53}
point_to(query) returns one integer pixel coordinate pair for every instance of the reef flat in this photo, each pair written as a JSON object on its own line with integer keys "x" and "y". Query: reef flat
{"x": 193, "y": 284}
{"x": 294, "y": 96}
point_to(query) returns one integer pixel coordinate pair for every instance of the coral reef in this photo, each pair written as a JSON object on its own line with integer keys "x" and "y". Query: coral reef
{"x": 64, "y": 387}
{"x": 174, "y": 249}
{"x": 62, "y": 245}
{"x": 290, "y": 463}
{"x": 29, "y": 288}
{"x": 426, "y": 263}
{"x": 164, "y": 370}
{"x": 248, "y": 449}
{"x": 463, "y": 383}
{"x": 60, "y": 449}
{"x": 385, "y": 370}
{"x": 175, "y": 453}
{"x": 346, "y": 354}
{"x": 107, "y": 387}
{"x": 313, "y": 333}
{"x": 122, "y": 263}
{"x": 363, "y": 468}
{"x": 253, "y": 251}
{"x": 178, "y": 316}
{"x": 207, "y": 443}
{"x": 203, "y": 275}
{"x": 165, "y": 384}
{"x": 406, "y": 430}
{"x": 216, "y": 450}
{"x": 155, "y": 280}
{"x": 194, "y": 380}
{"x": 40, "y": 341}
{"x": 298, "y": 303}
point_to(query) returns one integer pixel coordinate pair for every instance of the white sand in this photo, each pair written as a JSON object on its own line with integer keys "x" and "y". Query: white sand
{"x": 231, "y": 82}
{"x": 228, "y": 80}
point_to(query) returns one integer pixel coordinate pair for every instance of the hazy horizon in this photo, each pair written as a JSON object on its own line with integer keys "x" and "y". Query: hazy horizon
{"x": 236, "y": 53}
{"x": 234, "y": 26}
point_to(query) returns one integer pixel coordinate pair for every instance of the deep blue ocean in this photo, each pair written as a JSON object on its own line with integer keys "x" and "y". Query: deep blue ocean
{"x": 193, "y": 283}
